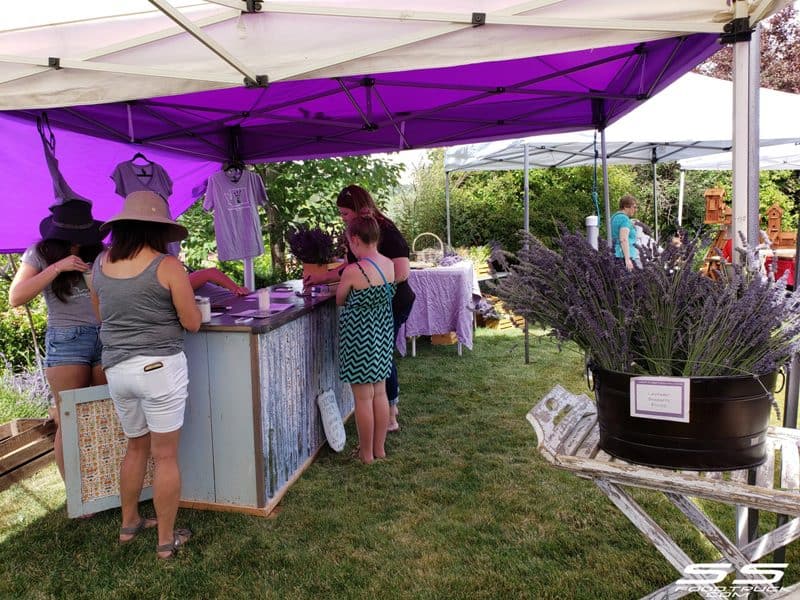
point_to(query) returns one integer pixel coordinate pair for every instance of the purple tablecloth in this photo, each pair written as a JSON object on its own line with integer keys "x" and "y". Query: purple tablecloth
{"x": 444, "y": 302}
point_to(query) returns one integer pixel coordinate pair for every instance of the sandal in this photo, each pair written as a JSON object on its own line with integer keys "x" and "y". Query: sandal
{"x": 179, "y": 539}
{"x": 136, "y": 530}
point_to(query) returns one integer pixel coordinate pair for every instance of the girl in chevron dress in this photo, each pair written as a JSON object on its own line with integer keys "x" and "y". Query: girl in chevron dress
{"x": 366, "y": 334}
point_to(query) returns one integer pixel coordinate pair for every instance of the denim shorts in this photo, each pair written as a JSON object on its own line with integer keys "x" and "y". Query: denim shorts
{"x": 78, "y": 345}
{"x": 149, "y": 393}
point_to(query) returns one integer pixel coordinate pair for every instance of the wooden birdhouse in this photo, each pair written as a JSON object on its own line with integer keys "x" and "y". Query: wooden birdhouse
{"x": 774, "y": 218}
{"x": 715, "y": 206}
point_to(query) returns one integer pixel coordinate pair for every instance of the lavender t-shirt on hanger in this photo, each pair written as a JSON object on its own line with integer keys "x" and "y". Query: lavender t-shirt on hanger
{"x": 236, "y": 222}
{"x": 149, "y": 177}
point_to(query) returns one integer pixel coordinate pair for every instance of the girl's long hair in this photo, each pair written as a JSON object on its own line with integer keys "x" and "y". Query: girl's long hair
{"x": 53, "y": 251}
{"x": 360, "y": 202}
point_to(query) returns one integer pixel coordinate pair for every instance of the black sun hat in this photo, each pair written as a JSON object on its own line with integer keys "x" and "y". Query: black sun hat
{"x": 71, "y": 221}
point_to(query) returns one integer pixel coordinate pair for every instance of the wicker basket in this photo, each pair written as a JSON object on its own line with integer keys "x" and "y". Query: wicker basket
{"x": 428, "y": 255}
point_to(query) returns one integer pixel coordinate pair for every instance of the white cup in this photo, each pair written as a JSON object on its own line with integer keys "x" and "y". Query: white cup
{"x": 263, "y": 300}
{"x": 204, "y": 304}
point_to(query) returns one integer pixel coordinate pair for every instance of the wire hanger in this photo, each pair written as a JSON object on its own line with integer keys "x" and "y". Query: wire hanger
{"x": 46, "y": 132}
{"x": 233, "y": 169}
{"x": 142, "y": 171}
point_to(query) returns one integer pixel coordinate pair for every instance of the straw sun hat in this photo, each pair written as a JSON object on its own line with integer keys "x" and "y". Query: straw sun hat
{"x": 151, "y": 208}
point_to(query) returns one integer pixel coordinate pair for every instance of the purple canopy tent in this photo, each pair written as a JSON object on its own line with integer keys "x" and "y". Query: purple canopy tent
{"x": 191, "y": 134}
{"x": 347, "y": 77}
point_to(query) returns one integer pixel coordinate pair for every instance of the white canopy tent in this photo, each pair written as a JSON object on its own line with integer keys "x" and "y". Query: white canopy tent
{"x": 783, "y": 157}
{"x": 56, "y": 53}
{"x": 690, "y": 119}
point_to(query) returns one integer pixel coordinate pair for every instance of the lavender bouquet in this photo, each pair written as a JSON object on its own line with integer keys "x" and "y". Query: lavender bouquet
{"x": 311, "y": 245}
{"x": 663, "y": 319}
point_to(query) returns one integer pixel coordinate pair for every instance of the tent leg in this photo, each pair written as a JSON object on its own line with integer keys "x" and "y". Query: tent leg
{"x": 527, "y": 219}
{"x": 447, "y": 205}
{"x": 745, "y": 136}
{"x": 606, "y": 200}
{"x": 655, "y": 195}
{"x": 249, "y": 274}
{"x": 526, "y": 190}
{"x": 680, "y": 197}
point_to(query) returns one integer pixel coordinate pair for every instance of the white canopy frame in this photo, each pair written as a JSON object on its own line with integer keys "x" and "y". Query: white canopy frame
{"x": 372, "y": 40}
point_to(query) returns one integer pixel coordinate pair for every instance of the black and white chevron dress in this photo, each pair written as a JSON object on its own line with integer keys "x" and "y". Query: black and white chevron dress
{"x": 366, "y": 332}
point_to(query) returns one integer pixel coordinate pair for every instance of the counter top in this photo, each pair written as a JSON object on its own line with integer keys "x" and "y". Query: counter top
{"x": 225, "y": 308}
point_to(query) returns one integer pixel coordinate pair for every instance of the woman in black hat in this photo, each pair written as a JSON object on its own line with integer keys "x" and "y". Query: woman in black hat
{"x": 55, "y": 267}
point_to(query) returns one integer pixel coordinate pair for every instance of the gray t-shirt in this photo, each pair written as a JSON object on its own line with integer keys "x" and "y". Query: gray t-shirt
{"x": 139, "y": 318}
{"x": 236, "y": 222}
{"x": 76, "y": 311}
{"x": 129, "y": 177}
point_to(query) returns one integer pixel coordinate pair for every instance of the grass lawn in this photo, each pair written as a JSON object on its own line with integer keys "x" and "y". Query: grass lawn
{"x": 464, "y": 507}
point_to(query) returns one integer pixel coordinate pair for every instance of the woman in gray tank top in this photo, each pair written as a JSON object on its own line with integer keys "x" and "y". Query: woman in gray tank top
{"x": 56, "y": 268}
{"x": 145, "y": 303}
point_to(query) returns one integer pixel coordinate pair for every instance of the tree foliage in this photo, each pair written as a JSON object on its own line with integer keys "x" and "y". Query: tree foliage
{"x": 780, "y": 54}
{"x": 300, "y": 193}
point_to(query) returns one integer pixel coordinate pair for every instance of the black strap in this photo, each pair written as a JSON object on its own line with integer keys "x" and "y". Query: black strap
{"x": 360, "y": 268}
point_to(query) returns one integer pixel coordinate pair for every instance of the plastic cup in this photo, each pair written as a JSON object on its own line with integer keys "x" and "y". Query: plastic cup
{"x": 263, "y": 300}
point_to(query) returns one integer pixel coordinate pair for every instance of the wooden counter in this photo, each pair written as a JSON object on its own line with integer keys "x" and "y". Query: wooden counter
{"x": 251, "y": 423}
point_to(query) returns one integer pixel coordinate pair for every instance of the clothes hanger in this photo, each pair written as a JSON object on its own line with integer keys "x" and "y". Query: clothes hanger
{"x": 141, "y": 167}
{"x": 233, "y": 169}
{"x": 46, "y": 132}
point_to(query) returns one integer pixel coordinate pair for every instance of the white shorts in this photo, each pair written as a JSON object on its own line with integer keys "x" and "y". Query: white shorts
{"x": 149, "y": 393}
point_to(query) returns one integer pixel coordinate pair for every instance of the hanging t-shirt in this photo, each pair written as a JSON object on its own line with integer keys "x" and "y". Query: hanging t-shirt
{"x": 236, "y": 222}
{"x": 129, "y": 177}
{"x": 149, "y": 177}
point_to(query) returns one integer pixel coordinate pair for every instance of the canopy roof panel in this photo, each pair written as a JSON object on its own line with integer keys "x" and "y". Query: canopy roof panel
{"x": 131, "y": 49}
{"x": 692, "y": 117}
{"x": 344, "y": 77}
{"x": 783, "y": 157}
{"x": 383, "y": 112}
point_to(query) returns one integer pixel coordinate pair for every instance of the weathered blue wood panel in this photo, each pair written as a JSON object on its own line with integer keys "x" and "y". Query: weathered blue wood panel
{"x": 196, "y": 450}
{"x": 232, "y": 424}
{"x": 297, "y": 362}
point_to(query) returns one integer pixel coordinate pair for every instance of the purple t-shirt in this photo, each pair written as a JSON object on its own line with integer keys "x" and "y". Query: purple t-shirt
{"x": 129, "y": 177}
{"x": 236, "y": 222}
{"x": 150, "y": 177}
{"x": 76, "y": 311}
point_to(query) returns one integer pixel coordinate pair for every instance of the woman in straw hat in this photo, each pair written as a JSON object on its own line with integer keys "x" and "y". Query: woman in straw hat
{"x": 145, "y": 303}
{"x": 55, "y": 267}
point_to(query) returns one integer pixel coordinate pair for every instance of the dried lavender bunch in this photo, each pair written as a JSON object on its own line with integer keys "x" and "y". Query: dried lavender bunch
{"x": 311, "y": 245}
{"x": 663, "y": 319}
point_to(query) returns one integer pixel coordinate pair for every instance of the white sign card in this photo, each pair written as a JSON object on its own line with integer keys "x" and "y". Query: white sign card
{"x": 660, "y": 398}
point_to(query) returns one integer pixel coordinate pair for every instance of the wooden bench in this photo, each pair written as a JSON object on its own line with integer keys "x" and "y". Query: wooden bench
{"x": 566, "y": 425}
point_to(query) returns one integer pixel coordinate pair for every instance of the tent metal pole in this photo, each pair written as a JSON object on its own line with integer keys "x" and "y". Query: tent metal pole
{"x": 526, "y": 214}
{"x": 189, "y": 27}
{"x": 681, "y": 188}
{"x": 527, "y": 226}
{"x": 249, "y": 274}
{"x": 754, "y": 167}
{"x": 447, "y": 204}
{"x": 606, "y": 199}
{"x": 654, "y": 160}
{"x": 741, "y": 134}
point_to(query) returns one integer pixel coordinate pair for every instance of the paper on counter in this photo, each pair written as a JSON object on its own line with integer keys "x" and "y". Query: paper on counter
{"x": 255, "y": 313}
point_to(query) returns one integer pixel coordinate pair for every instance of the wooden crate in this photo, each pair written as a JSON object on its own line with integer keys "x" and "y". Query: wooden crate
{"x": 444, "y": 339}
{"x": 26, "y": 445}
